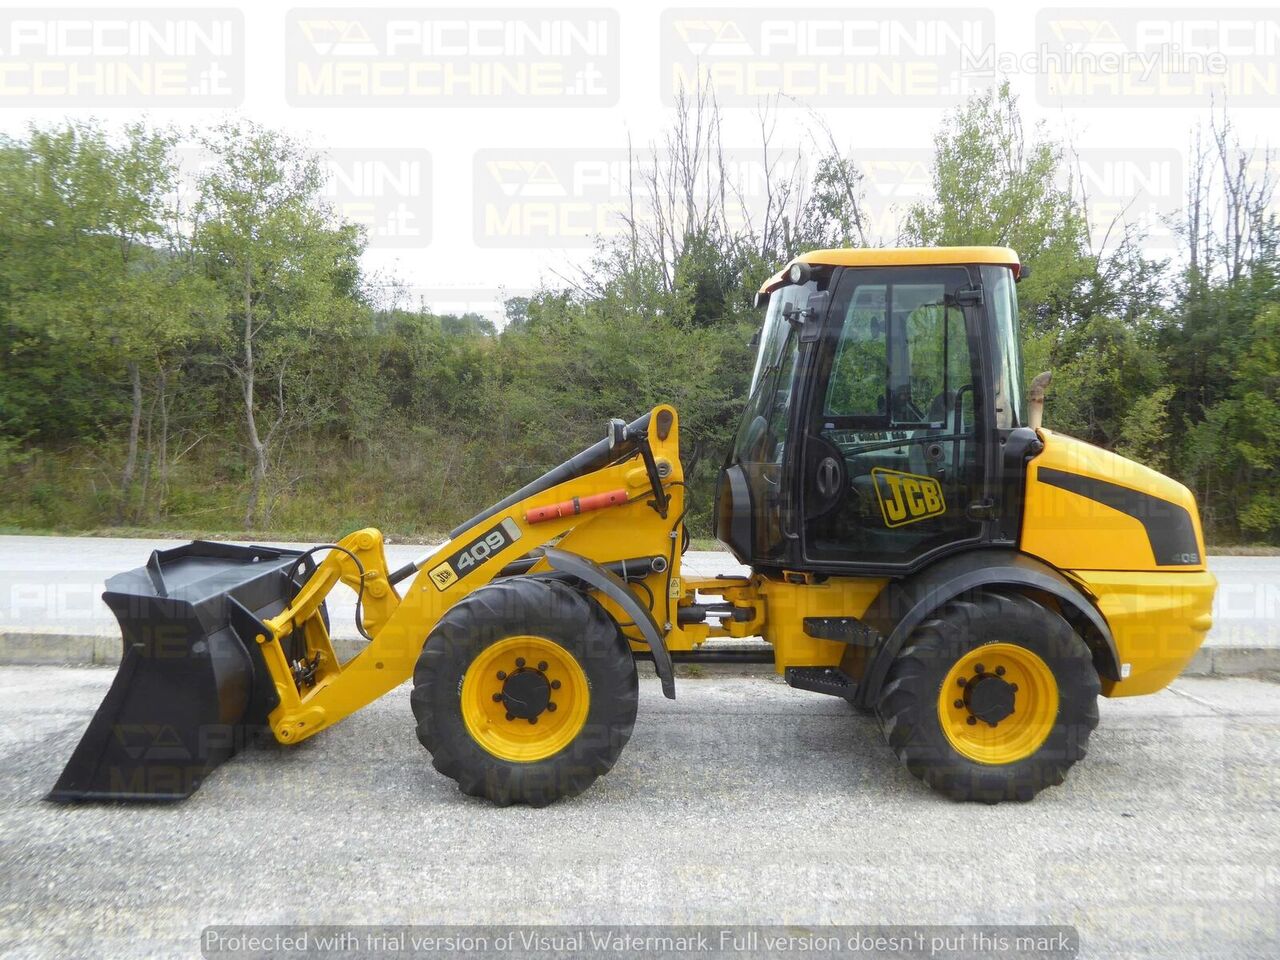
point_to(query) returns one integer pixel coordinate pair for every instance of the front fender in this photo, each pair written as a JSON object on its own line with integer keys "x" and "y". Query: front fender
{"x": 613, "y": 587}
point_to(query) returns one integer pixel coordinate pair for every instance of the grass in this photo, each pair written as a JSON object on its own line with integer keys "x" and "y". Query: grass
{"x": 71, "y": 492}
{"x": 331, "y": 491}
{"x": 203, "y": 533}
{"x": 704, "y": 543}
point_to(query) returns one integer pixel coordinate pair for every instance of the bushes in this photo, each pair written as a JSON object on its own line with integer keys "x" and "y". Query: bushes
{"x": 369, "y": 412}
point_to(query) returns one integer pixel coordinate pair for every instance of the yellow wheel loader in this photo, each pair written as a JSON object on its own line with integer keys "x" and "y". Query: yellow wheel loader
{"x": 918, "y": 545}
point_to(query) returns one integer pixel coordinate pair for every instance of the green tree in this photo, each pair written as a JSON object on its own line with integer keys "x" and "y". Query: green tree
{"x": 992, "y": 184}
{"x": 287, "y": 273}
{"x": 1237, "y": 446}
{"x": 99, "y": 273}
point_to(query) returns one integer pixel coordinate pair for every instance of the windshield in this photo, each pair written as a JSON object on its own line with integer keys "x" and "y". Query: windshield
{"x": 773, "y": 336}
{"x": 764, "y": 422}
{"x": 1003, "y": 295}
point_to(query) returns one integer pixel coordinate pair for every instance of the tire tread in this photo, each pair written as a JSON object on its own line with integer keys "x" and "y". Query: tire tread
{"x": 907, "y": 704}
{"x": 450, "y": 648}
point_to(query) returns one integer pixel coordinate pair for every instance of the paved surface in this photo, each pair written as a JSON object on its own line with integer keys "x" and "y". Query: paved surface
{"x": 53, "y": 585}
{"x": 51, "y": 608}
{"x": 742, "y": 801}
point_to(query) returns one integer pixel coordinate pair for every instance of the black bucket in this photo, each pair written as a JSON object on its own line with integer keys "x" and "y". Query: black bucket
{"x": 192, "y": 687}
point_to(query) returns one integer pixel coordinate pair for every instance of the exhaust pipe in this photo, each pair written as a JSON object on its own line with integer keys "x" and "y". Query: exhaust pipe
{"x": 1035, "y": 399}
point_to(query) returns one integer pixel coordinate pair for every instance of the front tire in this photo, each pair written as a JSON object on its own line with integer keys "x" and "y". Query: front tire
{"x": 991, "y": 699}
{"x": 525, "y": 692}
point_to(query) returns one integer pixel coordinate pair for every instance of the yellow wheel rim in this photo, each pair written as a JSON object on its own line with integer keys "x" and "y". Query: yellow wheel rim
{"x": 525, "y": 699}
{"x": 998, "y": 703}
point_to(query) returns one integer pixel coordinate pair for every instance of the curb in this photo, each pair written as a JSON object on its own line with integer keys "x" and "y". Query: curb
{"x": 1233, "y": 661}
{"x": 71, "y": 650}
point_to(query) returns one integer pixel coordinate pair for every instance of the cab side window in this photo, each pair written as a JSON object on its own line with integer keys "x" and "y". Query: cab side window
{"x": 938, "y": 368}
{"x": 859, "y": 373}
{"x": 901, "y": 357}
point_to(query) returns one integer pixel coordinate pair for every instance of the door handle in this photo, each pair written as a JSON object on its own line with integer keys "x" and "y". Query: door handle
{"x": 980, "y": 510}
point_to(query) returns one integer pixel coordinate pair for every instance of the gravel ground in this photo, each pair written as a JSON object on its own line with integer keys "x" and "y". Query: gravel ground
{"x": 741, "y": 801}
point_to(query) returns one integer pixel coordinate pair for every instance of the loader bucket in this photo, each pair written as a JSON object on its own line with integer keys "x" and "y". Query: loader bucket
{"x": 192, "y": 686}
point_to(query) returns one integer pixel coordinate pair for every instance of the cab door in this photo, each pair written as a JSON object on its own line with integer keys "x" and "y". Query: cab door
{"x": 895, "y": 429}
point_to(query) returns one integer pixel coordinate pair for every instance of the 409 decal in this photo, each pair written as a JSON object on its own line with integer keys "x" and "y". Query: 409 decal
{"x": 493, "y": 541}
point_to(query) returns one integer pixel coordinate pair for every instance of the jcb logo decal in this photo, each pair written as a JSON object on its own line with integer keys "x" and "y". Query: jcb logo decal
{"x": 443, "y": 576}
{"x": 907, "y": 497}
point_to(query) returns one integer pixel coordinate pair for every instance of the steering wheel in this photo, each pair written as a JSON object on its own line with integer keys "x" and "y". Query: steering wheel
{"x": 903, "y": 402}
{"x": 940, "y": 408}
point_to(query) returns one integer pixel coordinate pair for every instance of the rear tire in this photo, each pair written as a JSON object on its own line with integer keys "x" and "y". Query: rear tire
{"x": 1000, "y": 657}
{"x": 525, "y": 692}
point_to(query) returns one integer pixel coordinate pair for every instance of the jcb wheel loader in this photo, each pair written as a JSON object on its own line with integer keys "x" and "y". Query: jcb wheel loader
{"x": 918, "y": 545}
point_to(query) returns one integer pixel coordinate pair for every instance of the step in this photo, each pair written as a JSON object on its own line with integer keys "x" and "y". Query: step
{"x": 829, "y": 680}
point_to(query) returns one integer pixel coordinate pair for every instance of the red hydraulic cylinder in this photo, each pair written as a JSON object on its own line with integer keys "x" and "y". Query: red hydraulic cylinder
{"x": 569, "y": 508}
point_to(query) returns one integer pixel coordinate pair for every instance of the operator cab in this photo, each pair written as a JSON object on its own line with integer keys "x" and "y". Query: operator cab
{"x": 885, "y": 413}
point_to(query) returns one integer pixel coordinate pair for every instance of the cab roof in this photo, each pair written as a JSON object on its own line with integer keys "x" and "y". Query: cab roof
{"x": 899, "y": 257}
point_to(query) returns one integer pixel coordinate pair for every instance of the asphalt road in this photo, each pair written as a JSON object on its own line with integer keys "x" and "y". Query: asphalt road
{"x": 53, "y": 585}
{"x": 741, "y": 801}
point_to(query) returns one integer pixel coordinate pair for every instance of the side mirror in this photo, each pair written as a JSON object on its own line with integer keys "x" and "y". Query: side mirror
{"x": 755, "y": 339}
{"x": 813, "y": 314}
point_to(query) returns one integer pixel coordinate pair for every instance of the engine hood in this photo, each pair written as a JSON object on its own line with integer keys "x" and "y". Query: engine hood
{"x": 1090, "y": 509}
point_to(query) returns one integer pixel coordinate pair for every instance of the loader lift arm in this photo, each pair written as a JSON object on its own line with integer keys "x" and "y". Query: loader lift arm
{"x": 631, "y": 478}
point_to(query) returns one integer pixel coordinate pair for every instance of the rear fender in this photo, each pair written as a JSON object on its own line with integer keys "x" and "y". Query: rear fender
{"x": 903, "y": 605}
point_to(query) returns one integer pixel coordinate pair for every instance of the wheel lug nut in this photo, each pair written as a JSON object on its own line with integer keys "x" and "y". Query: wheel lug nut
{"x": 533, "y": 720}
{"x": 972, "y": 721}
{"x": 555, "y": 684}
{"x": 497, "y": 698}
{"x": 978, "y": 668}
{"x": 511, "y": 716}
{"x": 1013, "y": 687}
{"x": 520, "y": 662}
{"x": 551, "y": 707}
{"x": 542, "y": 665}
{"x": 502, "y": 674}
{"x": 960, "y": 682}
{"x": 999, "y": 671}
{"x": 959, "y": 704}
{"x": 992, "y": 723}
